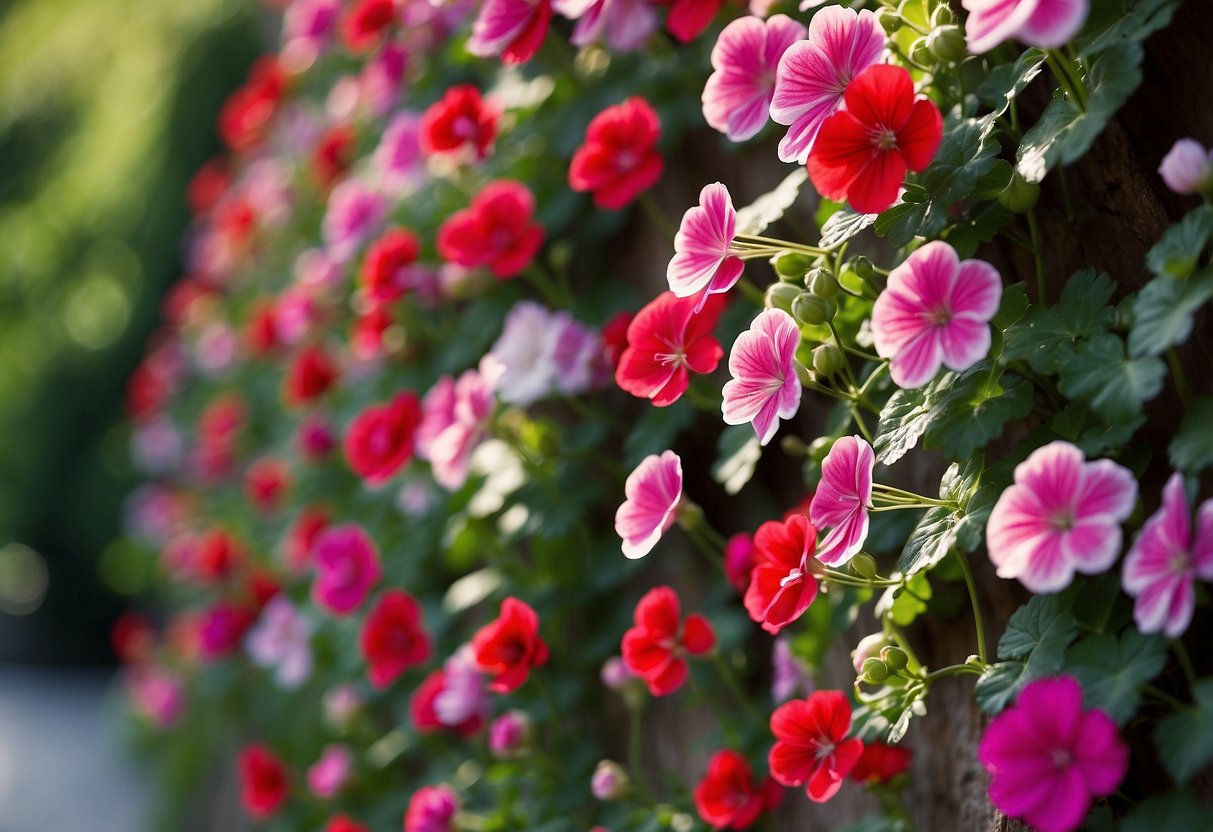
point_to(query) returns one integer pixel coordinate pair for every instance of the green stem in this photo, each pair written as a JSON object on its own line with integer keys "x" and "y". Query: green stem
{"x": 658, "y": 217}
{"x": 861, "y": 424}
{"x": 967, "y": 571}
{"x": 726, "y": 673}
{"x": 635, "y": 758}
{"x": 1185, "y": 661}
{"x": 1180, "y": 378}
{"x": 1038, "y": 255}
{"x": 952, "y": 670}
{"x": 546, "y": 287}
{"x": 1166, "y": 698}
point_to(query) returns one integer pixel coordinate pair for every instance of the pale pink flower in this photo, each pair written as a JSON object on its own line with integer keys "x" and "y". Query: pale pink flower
{"x": 1048, "y": 758}
{"x": 215, "y": 349}
{"x": 1061, "y": 516}
{"x": 764, "y": 387}
{"x": 341, "y": 704}
{"x": 354, "y": 215}
{"x": 579, "y": 357}
{"x": 616, "y": 675}
{"x": 625, "y": 24}
{"x": 1045, "y": 24}
{"x": 789, "y": 675}
{"x": 397, "y": 159}
{"x": 704, "y": 263}
{"x": 935, "y": 311}
{"x": 156, "y": 445}
{"x": 1187, "y": 168}
{"x": 868, "y": 647}
{"x": 737, "y": 97}
{"x": 526, "y": 350}
{"x": 347, "y": 566}
{"x": 843, "y": 498}
{"x": 654, "y": 491}
{"x": 455, "y": 420}
{"x": 813, "y": 74}
{"x": 1166, "y": 558}
{"x": 157, "y": 693}
{"x": 281, "y": 640}
{"x": 332, "y": 771}
{"x": 464, "y": 693}
{"x": 314, "y": 267}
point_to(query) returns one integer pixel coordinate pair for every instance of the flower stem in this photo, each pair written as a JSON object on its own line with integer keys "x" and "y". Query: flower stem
{"x": 967, "y": 571}
{"x": 1180, "y": 378}
{"x": 754, "y": 241}
{"x": 730, "y": 681}
{"x": 658, "y": 217}
{"x": 1039, "y": 257}
{"x": 635, "y": 758}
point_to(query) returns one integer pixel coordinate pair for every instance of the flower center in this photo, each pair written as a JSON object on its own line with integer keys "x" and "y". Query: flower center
{"x": 1061, "y": 758}
{"x": 499, "y": 239}
{"x": 884, "y": 139}
{"x": 1063, "y": 521}
{"x": 626, "y": 160}
{"x": 940, "y": 315}
{"x": 1180, "y": 561}
{"x": 380, "y": 440}
{"x": 826, "y": 749}
{"x": 464, "y": 127}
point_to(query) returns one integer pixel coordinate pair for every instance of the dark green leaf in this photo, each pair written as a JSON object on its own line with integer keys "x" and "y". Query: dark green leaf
{"x": 942, "y": 529}
{"x": 1045, "y": 336}
{"x": 1192, "y": 447}
{"x": 1006, "y": 81}
{"x": 1075, "y": 423}
{"x": 975, "y": 409}
{"x": 1113, "y": 671}
{"x": 998, "y": 686}
{"x": 1116, "y": 21}
{"x": 1114, "y": 385}
{"x": 1185, "y": 739}
{"x": 1178, "y": 251}
{"x": 1163, "y": 311}
{"x": 1177, "y": 810}
{"x": 1033, "y": 646}
{"x": 1012, "y": 307}
{"x": 906, "y": 220}
{"x": 843, "y": 225}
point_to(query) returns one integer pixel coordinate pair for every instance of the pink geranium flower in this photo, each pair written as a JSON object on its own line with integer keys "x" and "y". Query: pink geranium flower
{"x": 1187, "y": 168}
{"x": 1048, "y": 758}
{"x": 1165, "y": 559}
{"x": 281, "y": 640}
{"x": 354, "y": 215}
{"x": 1042, "y": 23}
{"x": 513, "y": 29}
{"x": 843, "y": 498}
{"x": 765, "y": 387}
{"x": 737, "y": 97}
{"x": 431, "y": 809}
{"x": 654, "y": 491}
{"x": 813, "y": 74}
{"x": 347, "y": 566}
{"x": 455, "y": 420}
{"x": 626, "y": 24}
{"x": 704, "y": 263}
{"x": 935, "y": 310}
{"x": 330, "y": 773}
{"x": 1061, "y": 516}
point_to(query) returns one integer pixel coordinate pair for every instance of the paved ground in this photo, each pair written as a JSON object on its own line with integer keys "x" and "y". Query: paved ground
{"x": 61, "y": 766}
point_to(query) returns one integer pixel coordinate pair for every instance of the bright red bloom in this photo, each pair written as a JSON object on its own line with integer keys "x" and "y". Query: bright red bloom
{"x": 393, "y": 639}
{"x": 246, "y": 113}
{"x": 510, "y": 646}
{"x": 344, "y": 823}
{"x": 365, "y": 22}
{"x": 297, "y": 548}
{"x": 615, "y": 336}
{"x": 265, "y": 482}
{"x": 460, "y": 118}
{"x": 782, "y": 585}
{"x": 310, "y": 377}
{"x": 425, "y": 717}
{"x": 384, "y": 275}
{"x": 655, "y": 647}
{"x": 221, "y": 629}
{"x": 811, "y": 744}
{"x": 380, "y": 440}
{"x": 496, "y": 230}
{"x": 132, "y": 638}
{"x": 688, "y": 18}
{"x": 619, "y": 159}
{"x": 366, "y": 336}
{"x": 880, "y": 763}
{"x": 666, "y": 342}
{"x": 263, "y": 780}
{"x": 215, "y": 556}
{"x": 333, "y": 154}
{"x": 208, "y": 185}
{"x": 862, "y": 152}
{"x": 260, "y": 332}
{"x": 726, "y": 797}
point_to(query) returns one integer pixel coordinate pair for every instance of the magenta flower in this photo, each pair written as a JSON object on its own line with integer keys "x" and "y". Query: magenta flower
{"x": 1164, "y": 560}
{"x": 157, "y": 693}
{"x": 704, "y": 263}
{"x": 397, "y": 160}
{"x": 625, "y": 24}
{"x": 935, "y": 310}
{"x": 737, "y": 98}
{"x": 1187, "y": 168}
{"x": 813, "y": 74}
{"x": 328, "y": 774}
{"x": 843, "y": 498}
{"x": 347, "y": 566}
{"x": 431, "y": 809}
{"x": 764, "y": 387}
{"x": 1042, "y": 23}
{"x": 653, "y": 491}
{"x": 354, "y": 215}
{"x": 513, "y": 29}
{"x": 1061, "y": 516}
{"x": 1048, "y": 758}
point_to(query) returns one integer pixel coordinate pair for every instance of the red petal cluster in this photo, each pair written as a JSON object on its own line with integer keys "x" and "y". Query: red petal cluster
{"x": 655, "y": 647}
{"x": 393, "y": 639}
{"x": 619, "y": 159}
{"x": 811, "y": 744}
{"x": 782, "y": 585}
{"x": 510, "y": 646}
{"x": 380, "y": 439}
{"x": 263, "y": 780}
{"x": 496, "y": 231}
{"x": 461, "y": 118}
{"x": 666, "y": 342}
{"x": 727, "y": 797}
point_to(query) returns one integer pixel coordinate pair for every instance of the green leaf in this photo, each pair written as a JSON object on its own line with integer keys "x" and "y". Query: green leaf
{"x": 906, "y": 603}
{"x": 1012, "y": 307}
{"x": 876, "y": 823}
{"x": 907, "y": 220}
{"x": 998, "y": 686}
{"x": 843, "y": 225}
{"x": 1179, "y": 249}
{"x": 1113, "y": 671}
{"x": 1116, "y": 21}
{"x": 975, "y": 408}
{"x": 1192, "y": 447}
{"x": 941, "y": 529}
{"x": 1046, "y": 336}
{"x": 1185, "y": 739}
{"x": 1006, "y": 81}
{"x": 1163, "y": 311}
{"x": 1114, "y": 385}
{"x": 770, "y": 207}
{"x": 1064, "y": 132}
{"x": 1177, "y": 810}
{"x": 1037, "y": 636}
{"x": 904, "y": 418}
{"x": 1075, "y": 423}
{"x": 737, "y": 455}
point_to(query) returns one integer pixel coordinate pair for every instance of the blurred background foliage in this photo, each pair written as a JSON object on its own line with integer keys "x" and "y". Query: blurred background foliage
{"x": 107, "y": 107}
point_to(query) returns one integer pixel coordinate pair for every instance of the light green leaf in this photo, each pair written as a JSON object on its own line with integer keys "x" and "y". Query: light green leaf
{"x": 737, "y": 455}
{"x": 1114, "y": 385}
{"x": 771, "y": 206}
{"x": 1113, "y": 671}
{"x": 1163, "y": 311}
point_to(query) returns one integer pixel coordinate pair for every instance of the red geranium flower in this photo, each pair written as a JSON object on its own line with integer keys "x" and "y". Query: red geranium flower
{"x": 132, "y": 638}
{"x": 460, "y": 118}
{"x": 366, "y": 337}
{"x": 380, "y": 440}
{"x": 297, "y": 547}
{"x": 496, "y": 230}
{"x": 333, "y": 154}
{"x": 384, "y": 274}
{"x": 365, "y": 22}
{"x": 425, "y": 718}
{"x": 782, "y": 585}
{"x": 666, "y": 341}
{"x": 344, "y": 823}
{"x": 246, "y": 113}
{"x": 615, "y": 336}
{"x": 263, "y": 781}
{"x": 653, "y": 649}
{"x": 216, "y": 556}
{"x": 510, "y": 646}
{"x": 260, "y": 332}
{"x": 619, "y": 159}
{"x": 726, "y": 797}
{"x": 393, "y": 639}
{"x": 880, "y": 763}
{"x": 688, "y": 18}
{"x": 862, "y": 152}
{"x": 265, "y": 482}
{"x": 208, "y": 185}
{"x": 310, "y": 376}
{"x": 811, "y": 744}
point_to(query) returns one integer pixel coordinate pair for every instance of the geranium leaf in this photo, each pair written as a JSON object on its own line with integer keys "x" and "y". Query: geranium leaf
{"x": 1033, "y": 646}
{"x": 1045, "y": 336}
{"x": 1185, "y": 738}
{"x": 1178, "y": 251}
{"x": 737, "y": 455}
{"x": 903, "y": 420}
{"x": 975, "y": 408}
{"x": 1006, "y": 81}
{"x": 998, "y": 686}
{"x": 1117, "y": 21}
{"x": 1163, "y": 310}
{"x": 1114, "y": 385}
{"x": 771, "y": 206}
{"x": 940, "y": 528}
{"x": 1113, "y": 671}
{"x": 1177, "y": 810}
{"x": 843, "y": 225}
{"x": 1192, "y": 447}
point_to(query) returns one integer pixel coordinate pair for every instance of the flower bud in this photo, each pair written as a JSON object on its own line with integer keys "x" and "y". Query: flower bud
{"x": 920, "y": 52}
{"x": 868, "y": 646}
{"x": 942, "y": 16}
{"x": 810, "y": 309}
{"x": 888, "y": 20}
{"x": 615, "y": 674}
{"x": 609, "y": 781}
{"x": 1020, "y": 195}
{"x": 819, "y": 447}
{"x": 804, "y": 374}
{"x": 1187, "y": 168}
{"x": 827, "y": 359}
{"x": 874, "y": 671}
{"x": 793, "y": 264}
{"x": 510, "y": 735}
{"x": 821, "y": 282}
{"x": 862, "y": 267}
{"x": 780, "y": 296}
{"x": 894, "y": 657}
{"x": 864, "y": 565}
{"x": 947, "y": 43}
{"x": 793, "y": 445}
